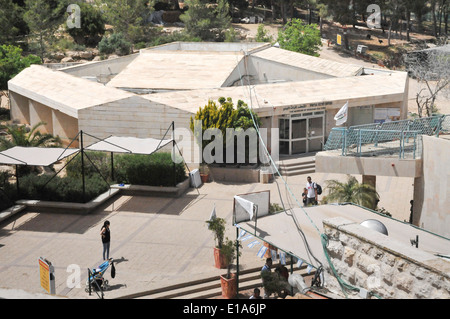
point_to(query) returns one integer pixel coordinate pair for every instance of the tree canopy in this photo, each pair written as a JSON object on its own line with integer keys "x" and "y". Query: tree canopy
{"x": 222, "y": 117}
{"x": 206, "y": 21}
{"x": 12, "y": 62}
{"x": 299, "y": 37}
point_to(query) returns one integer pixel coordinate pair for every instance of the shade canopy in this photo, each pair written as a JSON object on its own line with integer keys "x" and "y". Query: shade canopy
{"x": 131, "y": 145}
{"x": 35, "y": 156}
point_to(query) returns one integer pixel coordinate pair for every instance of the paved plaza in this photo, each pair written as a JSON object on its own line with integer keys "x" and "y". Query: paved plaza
{"x": 155, "y": 241}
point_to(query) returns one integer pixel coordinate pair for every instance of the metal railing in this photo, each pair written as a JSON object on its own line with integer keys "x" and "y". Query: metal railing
{"x": 402, "y": 138}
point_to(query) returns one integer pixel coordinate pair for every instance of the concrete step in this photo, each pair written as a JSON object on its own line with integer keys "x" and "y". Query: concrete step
{"x": 205, "y": 288}
{"x": 299, "y": 171}
{"x": 183, "y": 288}
{"x": 247, "y": 280}
{"x": 297, "y": 165}
{"x": 296, "y": 162}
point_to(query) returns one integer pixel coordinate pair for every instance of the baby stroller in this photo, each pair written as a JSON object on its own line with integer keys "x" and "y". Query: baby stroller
{"x": 96, "y": 279}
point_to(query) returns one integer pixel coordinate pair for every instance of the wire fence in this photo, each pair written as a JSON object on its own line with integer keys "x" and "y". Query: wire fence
{"x": 398, "y": 138}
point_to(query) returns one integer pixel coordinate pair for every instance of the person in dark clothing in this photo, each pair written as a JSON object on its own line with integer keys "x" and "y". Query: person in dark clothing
{"x": 106, "y": 239}
{"x": 304, "y": 196}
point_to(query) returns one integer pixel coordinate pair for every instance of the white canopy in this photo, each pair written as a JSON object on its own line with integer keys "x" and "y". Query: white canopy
{"x": 132, "y": 145}
{"x": 35, "y": 156}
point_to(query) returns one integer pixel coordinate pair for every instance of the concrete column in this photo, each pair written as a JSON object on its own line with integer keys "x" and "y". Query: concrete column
{"x": 41, "y": 113}
{"x": 64, "y": 126}
{"x": 419, "y": 186}
{"x": 20, "y": 110}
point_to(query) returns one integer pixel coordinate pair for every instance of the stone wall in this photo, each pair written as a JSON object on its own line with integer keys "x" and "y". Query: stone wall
{"x": 370, "y": 260}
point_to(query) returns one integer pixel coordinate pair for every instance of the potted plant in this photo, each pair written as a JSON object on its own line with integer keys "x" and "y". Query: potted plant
{"x": 217, "y": 226}
{"x": 204, "y": 173}
{"x": 228, "y": 281}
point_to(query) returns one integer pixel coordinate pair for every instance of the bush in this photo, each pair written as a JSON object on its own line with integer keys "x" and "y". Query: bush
{"x": 7, "y": 191}
{"x": 116, "y": 43}
{"x": 151, "y": 170}
{"x": 4, "y": 114}
{"x": 92, "y": 25}
{"x": 298, "y": 37}
{"x": 61, "y": 189}
{"x": 101, "y": 161}
{"x": 12, "y": 63}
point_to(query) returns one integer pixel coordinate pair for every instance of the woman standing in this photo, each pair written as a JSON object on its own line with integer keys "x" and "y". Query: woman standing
{"x": 106, "y": 239}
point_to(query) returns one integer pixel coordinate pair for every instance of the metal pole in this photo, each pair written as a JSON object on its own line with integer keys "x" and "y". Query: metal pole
{"x": 89, "y": 281}
{"x": 17, "y": 182}
{"x": 82, "y": 167}
{"x": 292, "y": 271}
{"x": 359, "y": 152}
{"x": 173, "y": 155}
{"x": 112, "y": 166}
{"x": 237, "y": 262}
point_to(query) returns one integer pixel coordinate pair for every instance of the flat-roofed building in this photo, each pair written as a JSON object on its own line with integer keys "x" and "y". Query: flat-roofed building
{"x": 142, "y": 94}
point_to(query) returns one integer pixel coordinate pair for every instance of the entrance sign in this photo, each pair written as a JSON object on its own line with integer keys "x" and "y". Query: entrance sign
{"x": 47, "y": 277}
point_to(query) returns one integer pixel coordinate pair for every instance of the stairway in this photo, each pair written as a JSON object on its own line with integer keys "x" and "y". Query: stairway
{"x": 297, "y": 165}
{"x": 207, "y": 288}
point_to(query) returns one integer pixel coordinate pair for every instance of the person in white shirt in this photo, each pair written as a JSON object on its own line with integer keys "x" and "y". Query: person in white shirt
{"x": 311, "y": 187}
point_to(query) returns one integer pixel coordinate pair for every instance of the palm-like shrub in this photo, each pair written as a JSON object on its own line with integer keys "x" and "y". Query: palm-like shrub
{"x": 351, "y": 192}
{"x": 18, "y": 135}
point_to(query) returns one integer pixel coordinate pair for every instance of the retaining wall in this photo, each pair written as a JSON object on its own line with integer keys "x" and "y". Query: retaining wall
{"x": 377, "y": 263}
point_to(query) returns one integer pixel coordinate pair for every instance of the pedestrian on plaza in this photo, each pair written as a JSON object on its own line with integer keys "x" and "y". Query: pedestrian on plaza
{"x": 256, "y": 294}
{"x": 267, "y": 266}
{"x": 311, "y": 197}
{"x": 106, "y": 239}
{"x": 266, "y": 276}
{"x": 304, "y": 196}
{"x": 411, "y": 210}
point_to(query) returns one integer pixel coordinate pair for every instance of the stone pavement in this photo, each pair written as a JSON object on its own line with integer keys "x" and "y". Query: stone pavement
{"x": 155, "y": 241}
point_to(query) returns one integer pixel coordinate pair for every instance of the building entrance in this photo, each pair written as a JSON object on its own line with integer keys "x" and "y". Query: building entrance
{"x": 301, "y": 133}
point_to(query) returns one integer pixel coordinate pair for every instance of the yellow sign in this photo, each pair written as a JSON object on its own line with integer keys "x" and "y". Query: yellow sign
{"x": 339, "y": 39}
{"x": 44, "y": 269}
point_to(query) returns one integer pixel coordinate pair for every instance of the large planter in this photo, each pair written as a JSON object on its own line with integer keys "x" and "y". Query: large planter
{"x": 219, "y": 259}
{"x": 204, "y": 177}
{"x": 229, "y": 288}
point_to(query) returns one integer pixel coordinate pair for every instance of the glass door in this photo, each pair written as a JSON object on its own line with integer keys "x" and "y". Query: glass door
{"x": 298, "y": 136}
{"x": 301, "y": 134}
{"x": 315, "y": 134}
{"x": 284, "y": 125}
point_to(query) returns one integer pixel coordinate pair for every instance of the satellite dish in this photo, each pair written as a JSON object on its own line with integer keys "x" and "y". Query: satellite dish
{"x": 375, "y": 225}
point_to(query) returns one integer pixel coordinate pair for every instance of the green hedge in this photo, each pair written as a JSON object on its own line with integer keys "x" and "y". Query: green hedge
{"x": 61, "y": 189}
{"x": 152, "y": 170}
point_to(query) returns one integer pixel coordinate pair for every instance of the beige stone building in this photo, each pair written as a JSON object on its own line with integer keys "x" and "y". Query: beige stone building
{"x": 140, "y": 95}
